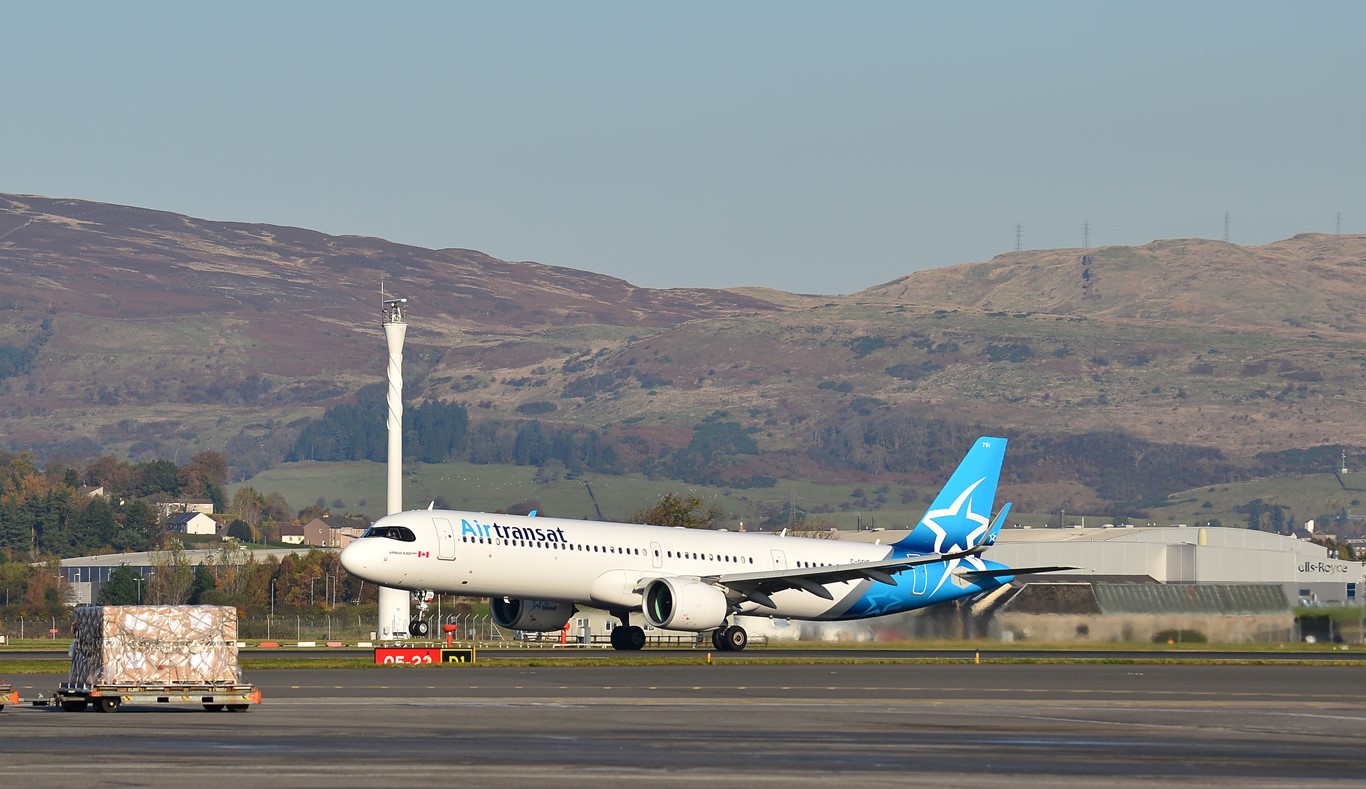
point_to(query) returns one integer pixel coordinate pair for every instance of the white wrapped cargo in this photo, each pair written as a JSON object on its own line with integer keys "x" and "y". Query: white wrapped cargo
{"x": 154, "y": 645}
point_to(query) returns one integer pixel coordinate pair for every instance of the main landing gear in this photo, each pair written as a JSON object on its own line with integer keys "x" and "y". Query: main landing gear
{"x": 729, "y": 639}
{"x": 626, "y": 636}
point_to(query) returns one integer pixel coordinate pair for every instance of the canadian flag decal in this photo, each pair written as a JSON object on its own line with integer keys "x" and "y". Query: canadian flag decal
{"x": 424, "y": 554}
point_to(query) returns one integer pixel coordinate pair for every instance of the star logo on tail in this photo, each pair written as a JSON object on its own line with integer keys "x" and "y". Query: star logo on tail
{"x": 941, "y": 534}
{"x": 970, "y": 538}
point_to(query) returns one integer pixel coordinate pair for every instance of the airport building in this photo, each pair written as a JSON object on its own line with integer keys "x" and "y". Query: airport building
{"x": 1307, "y": 571}
{"x": 86, "y": 574}
{"x": 1190, "y": 555}
{"x": 1144, "y": 583}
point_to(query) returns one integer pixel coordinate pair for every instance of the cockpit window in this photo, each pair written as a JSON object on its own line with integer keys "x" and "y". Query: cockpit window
{"x": 400, "y": 533}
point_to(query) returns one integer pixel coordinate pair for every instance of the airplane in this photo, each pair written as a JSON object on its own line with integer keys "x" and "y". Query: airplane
{"x": 536, "y": 571}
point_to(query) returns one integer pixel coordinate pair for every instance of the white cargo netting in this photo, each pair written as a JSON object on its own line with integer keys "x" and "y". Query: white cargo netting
{"x": 154, "y": 644}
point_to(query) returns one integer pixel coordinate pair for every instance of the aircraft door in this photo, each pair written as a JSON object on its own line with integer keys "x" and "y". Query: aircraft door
{"x": 658, "y": 555}
{"x": 921, "y": 579}
{"x": 445, "y": 535}
{"x": 779, "y": 561}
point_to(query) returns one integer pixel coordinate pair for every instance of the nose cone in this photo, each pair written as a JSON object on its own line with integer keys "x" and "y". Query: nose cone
{"x": 356, "y": 558}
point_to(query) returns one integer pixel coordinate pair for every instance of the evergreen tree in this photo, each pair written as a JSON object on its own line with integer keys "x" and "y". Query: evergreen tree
{"x": 157, "y": 476}
{"x": 96, "y": 526}
{"x": 122, "y": 588}
{"x": 202, "y": 584}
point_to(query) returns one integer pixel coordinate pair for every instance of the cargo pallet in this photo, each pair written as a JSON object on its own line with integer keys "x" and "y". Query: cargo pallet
{"x": 108, "y": 698}
{"x": 8, "y": 695}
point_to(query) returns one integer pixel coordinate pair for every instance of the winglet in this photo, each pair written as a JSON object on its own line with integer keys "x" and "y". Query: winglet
{"x": 995, "y": 530}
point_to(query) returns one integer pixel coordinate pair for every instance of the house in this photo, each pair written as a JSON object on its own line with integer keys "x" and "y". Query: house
{"x": 334, "y": 531}
{"x": 191, "y": 523}
{"x": 292, "y": 534}
{"x": 169, "y": 508}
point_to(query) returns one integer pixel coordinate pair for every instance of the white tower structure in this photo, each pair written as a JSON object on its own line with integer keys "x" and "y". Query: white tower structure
{"x": 394, "y": 605}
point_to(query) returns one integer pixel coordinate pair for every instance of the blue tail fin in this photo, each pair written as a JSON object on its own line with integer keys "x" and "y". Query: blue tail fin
{"x": 959, "y": 517}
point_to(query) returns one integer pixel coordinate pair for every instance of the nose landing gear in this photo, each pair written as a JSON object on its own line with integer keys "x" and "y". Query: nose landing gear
{"x": 419, "y": 627}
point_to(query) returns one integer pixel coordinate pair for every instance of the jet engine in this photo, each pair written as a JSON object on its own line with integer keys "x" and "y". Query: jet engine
{"x": 680, "y": 604}
{"x": 540, "y": 616}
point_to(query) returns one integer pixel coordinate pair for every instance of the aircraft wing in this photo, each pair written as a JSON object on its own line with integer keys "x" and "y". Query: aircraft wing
{"x": 757, "y": 586}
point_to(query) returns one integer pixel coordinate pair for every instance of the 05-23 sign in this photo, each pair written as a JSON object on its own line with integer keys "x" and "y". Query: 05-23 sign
{"x": 422, "y": 656}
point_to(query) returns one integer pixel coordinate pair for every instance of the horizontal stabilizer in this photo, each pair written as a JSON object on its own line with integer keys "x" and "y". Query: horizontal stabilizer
{"x": 973, "y": 575}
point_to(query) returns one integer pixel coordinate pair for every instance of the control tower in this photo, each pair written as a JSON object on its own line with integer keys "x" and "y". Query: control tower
{"x": 394, "y": 606}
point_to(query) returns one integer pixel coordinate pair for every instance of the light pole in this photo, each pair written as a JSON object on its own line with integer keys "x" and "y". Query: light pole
{"x": 272, "y": 597}
{"x": 139, "y": 580}
{"x": 311, "y": 582}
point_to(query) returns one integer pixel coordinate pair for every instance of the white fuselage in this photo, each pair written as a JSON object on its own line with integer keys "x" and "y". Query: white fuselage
{"x": 593, "y": 563}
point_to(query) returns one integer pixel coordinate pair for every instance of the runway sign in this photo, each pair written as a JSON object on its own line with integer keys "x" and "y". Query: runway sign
{"x": 422, "y": 656}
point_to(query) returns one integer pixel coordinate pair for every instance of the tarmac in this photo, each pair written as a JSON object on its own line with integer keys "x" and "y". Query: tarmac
{"x": 724, "y": 725}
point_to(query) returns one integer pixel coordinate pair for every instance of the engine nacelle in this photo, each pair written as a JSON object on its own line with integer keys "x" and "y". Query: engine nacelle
{"x": 679, "y": 604}
{"x": 540, "y": 616}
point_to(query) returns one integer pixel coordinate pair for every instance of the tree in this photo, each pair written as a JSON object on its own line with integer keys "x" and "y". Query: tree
{"x": 172, "y": 576}
{"x": 13, "y": 581}
{"x": 96, "y": 524}
{"x": 277, "y": 508}
{"x": 114, "y": 475}
{"x": 677, "y": 510}
{"x": 249, "y": 505}
{"x": 204, "y": 471}
{"x": 140, "y": 529}
{"x": 234, "y": 569}
{"x": 156, "y": 476}
{"x": 122, "y": 588}
{"x": 46, "y": 591}
{"x": 240, "y": 530}
{"x": 201, "y": 585}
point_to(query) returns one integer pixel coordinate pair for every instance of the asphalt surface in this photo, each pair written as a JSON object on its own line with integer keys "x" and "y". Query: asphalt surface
{"x": 1351, "y": 653}
{"x": 721, "y": 726}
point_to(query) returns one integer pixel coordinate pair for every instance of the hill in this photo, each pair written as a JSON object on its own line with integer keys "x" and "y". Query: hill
{"x": 1123, "y": 374}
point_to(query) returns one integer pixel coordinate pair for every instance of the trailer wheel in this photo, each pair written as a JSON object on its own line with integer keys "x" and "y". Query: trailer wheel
{"x": 214, "y": 707}
{"x": 109, "y": 704}
{"x": 238, "y": 707}
{"x": 74, "y": 706}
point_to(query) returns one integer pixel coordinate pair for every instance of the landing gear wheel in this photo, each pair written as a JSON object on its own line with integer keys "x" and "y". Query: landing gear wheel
{"x": 418, "y": 628}
{"x": 616, "y": 637}
{"x": 73, "y": 706}
{"x": 634, "y": 638}
{"x": 108, "y": 704}
{"x": 718, "y": 640}
{"x": 213, "y": 707}
{"x": 735, "y": 638}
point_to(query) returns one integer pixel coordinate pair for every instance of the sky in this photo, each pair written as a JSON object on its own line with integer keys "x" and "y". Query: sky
{"x": 812, "y": 147}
